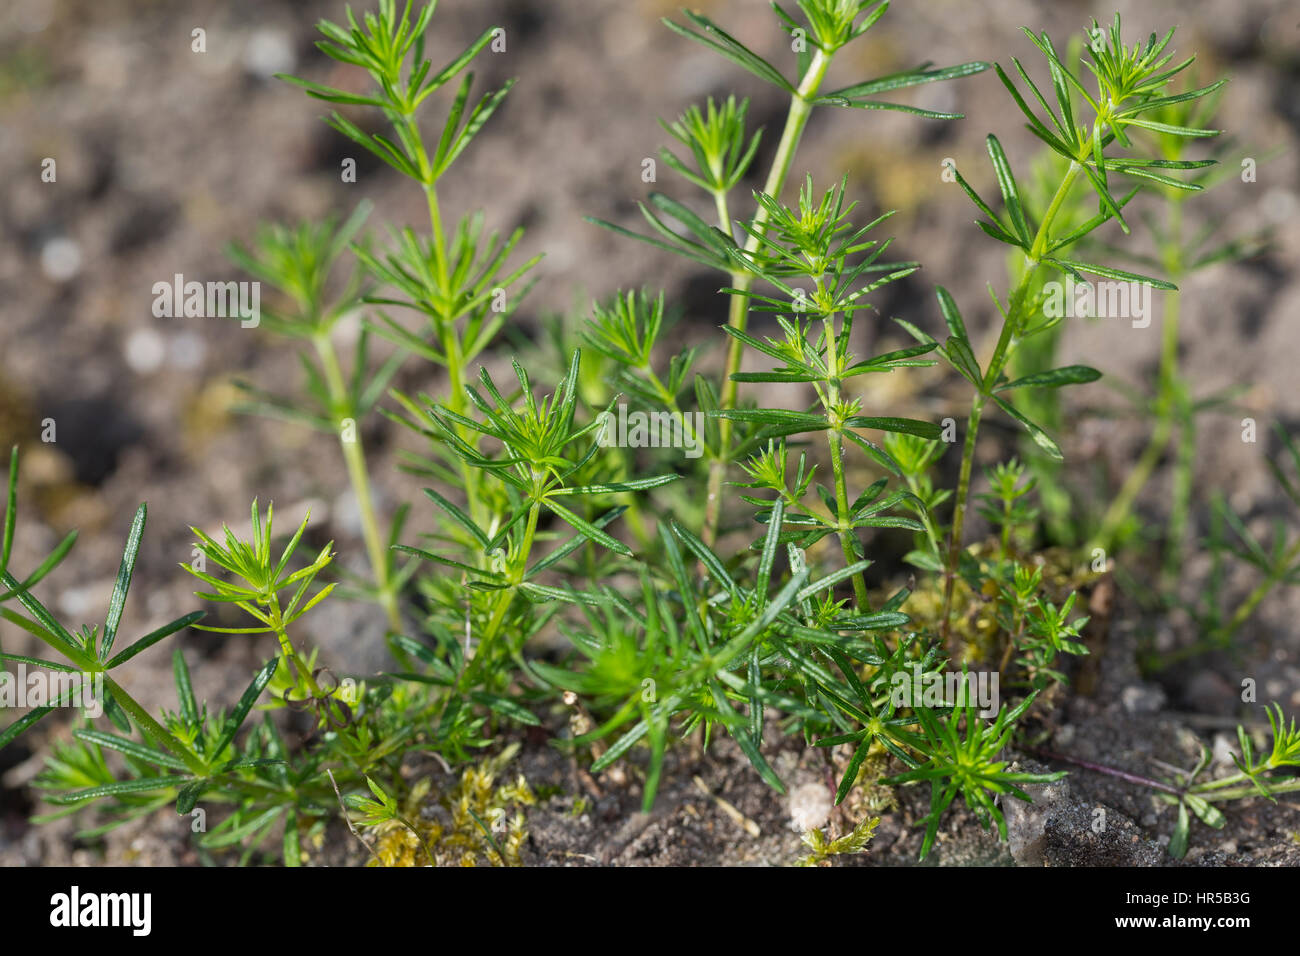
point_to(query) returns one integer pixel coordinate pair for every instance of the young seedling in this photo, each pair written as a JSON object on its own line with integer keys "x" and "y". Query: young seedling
{"x": 1130, "y": 85}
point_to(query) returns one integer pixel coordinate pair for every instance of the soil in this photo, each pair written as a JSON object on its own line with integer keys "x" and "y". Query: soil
{"x": 164, "y": 154}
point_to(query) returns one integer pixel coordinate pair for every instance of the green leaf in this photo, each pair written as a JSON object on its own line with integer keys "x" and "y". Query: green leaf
{"x": 716, "y": 39}
{"x": 45, "y": 567}
{"x": 615, "y": 487}
{"x": 184, "y": 689}
{"x": 1109, "y": 273}
{"x": 448, "y": 562}
{"x": 189, "y": 796}
{"x": 1178, "y": 839}
{"x": 246, "y": 702}
{"x": 907, "y": 426}
{"x": 1171, "y": 129}
{"x": 329, "y": 94}
{"x": 778, "y": 417}
{"x": 458, "y": 516}
{"x": 139, "y": 785}
{"x": 1010, "y": 191}
{"x": 951, "y": 314}
{"x": 506, "y": 707}
{"x": 1056, "y": 378}
{"x": 11, "y": 733}
{"x": 1040, "y": 437}
{"x": 588, "y": 529}
{"x": 1205, "y": 811}
{"x": 131, "y": 748}
{"x": 11, "y": 511}
{"x": 153, "y": 637}
{"x": 903, "y": 80}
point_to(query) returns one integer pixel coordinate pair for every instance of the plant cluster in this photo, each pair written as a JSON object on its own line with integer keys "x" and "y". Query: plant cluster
{"x": 754, "y": 612}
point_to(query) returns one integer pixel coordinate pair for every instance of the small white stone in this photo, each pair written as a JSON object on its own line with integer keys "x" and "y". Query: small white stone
{"x": 269, "y": 52}
{"x": 1224, "y": 748}
{"x": 60, "y": 259}
{"x": 145, "y": 351}
{"x": 810, "y": 807}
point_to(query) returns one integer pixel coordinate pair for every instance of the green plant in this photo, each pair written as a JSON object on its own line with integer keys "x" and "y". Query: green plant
{"x": 823, "y": 850}
{"x": 776, "y": 622}
{"x": 1256, "y": 776}
{"x": 1218, "y": 620}
{"x": 723, "y": 151}
{"x": 1131, "y": 83}
{"x": 299, "y": 264}
{"x": 964, "y": 760}
{"x": 1175, "y": 406}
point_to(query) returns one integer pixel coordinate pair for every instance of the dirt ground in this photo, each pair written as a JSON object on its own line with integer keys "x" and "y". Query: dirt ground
{"x": 164, "y": 155}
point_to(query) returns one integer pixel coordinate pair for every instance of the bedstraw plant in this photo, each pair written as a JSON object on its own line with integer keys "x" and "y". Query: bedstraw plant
{"x": 765, "y": 617}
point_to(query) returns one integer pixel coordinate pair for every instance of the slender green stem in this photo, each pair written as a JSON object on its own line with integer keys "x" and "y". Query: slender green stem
{"x": 354, "y": 457}
{"x": 1226, "y": 789}
{"x": 1247, "y": 607}
{"x": 449, "y": 337}
{"x": 1125, "y": 775}
{"x": 1290, "y": 785}
{"x": 1121, "y": 505}
{"x": 154, "y": 730}
{"x": 1001, "y": 353}
{"x": 1177, "y": 401}
{"x": 1167, "y": 409}
{"x": 1180, "y": 501}
{"x": 518, "y": 565}
{"x": 923, "y": 515}
{"x": 288, "y": 651}
{"x": 835, "y": 438}
{"x": 959, "y": 511}
{"x": 738, "y": 315}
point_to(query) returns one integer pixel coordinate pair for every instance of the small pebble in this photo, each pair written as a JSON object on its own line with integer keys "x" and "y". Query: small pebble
{"x": 810, "y": 807}
{"x": 145, "y": 351}
{"x": 269, "y": 52}
{"x": 1142, "y": 699}
{"x": 60, "y": 259}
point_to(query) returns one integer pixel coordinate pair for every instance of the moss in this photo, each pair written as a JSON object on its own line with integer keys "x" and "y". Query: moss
{"x": 975, "y": 625}
{"x": 823, "y": 849}
{"x": 479, "y": 821}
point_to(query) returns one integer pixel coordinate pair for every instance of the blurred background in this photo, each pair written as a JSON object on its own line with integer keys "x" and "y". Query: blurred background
{"x": 164, "y": 155}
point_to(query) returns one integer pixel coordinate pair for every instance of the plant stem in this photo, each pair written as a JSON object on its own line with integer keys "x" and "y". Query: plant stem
{"x": 154, "y": 730}
{"x": 519, "y": 564}
{"x": 835, "y": 438}
{"x": 1247, "y": 607}
{"x": 1108, "y": 771}
{"x": 290, "y": 652}
{"x": 1219, "y": 789}
{"x": 1226, "y": 789}
{"x": 1011, "y": 323}
{"x": 1177, "y": 400}
{"x": 354, "y": 457}
{"x": 1180, "y": 502}
{"x": 1166, "y": 408}
{"x": 738, "y": 315}
{"x": 1290, "y": 785}
{"x": 1121, "y": 505}
{"x": 445, "y": 328}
